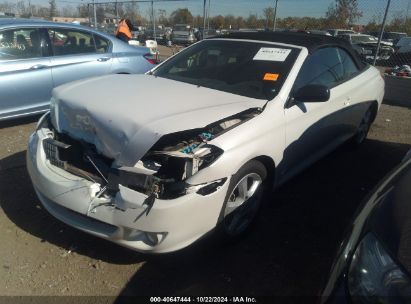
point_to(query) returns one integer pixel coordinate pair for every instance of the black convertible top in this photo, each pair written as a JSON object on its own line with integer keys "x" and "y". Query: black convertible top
{"x": 309, "y": 41}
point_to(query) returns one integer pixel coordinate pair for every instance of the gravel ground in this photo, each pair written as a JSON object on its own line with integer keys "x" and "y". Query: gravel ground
{"x": 288, "y": 252}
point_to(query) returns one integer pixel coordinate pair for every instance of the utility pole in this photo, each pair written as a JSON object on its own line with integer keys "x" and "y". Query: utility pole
{"x": 30, "y": 9}
{"x": 208, "y": 15}
{"x": 406, "y": 16}
{"x": 275, "y": 15}
{"x": 382, "y": 31}
{"x": 116, "y": 13}
{"x": 204, "y": 19}
{"x": 88, "y": 14}
{"x": 154, "y": 20}
{"x": 95, "y": 14}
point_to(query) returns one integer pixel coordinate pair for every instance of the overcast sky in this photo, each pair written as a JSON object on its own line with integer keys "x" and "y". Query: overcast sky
{"x": 313, "y": 8}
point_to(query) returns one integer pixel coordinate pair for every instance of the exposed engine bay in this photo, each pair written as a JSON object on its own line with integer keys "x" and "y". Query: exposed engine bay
{"x": 163, "y": 170}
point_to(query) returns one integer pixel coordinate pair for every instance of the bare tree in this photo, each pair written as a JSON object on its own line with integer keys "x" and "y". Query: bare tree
{"x": 83, "y": 11}
{"x": 131, "y": 11}
{"x": 181, "y": 15}
{"x": 343, "y": 13}
{"x": 52, "y": 9}
{"x": 269, "y": 16}
{"x": 7, "y": 7}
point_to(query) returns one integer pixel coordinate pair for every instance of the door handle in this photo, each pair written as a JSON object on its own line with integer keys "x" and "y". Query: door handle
{"x": 38, "y": 67}
{"x": 347, "y": 102}
{"x": 102, "y": 59}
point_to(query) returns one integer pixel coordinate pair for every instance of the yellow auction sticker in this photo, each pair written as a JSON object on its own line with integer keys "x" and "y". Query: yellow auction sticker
{"x": 271, "y": 77}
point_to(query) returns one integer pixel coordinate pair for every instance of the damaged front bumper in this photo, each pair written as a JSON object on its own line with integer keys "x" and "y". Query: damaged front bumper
{"x": 127, "y": 217}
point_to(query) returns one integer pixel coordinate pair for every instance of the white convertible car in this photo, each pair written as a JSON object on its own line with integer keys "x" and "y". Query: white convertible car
{"x": 154, "y": 162}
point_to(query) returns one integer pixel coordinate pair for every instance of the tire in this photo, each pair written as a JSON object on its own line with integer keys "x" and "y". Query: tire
{"x": 243, "y": 200}
{"x": 364, "y": 127}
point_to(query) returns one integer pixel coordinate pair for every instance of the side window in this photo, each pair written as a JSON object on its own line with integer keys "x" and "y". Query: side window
{"x": 71, "y": 42}
{"x": 350, "y": 68}
{"x": 21, "y": 44}
{"x": 322, "y": 67}
{"x": 102, "y": 44}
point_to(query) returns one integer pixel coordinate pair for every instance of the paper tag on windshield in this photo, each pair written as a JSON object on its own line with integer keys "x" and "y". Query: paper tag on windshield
{"x": 272, "y": 54}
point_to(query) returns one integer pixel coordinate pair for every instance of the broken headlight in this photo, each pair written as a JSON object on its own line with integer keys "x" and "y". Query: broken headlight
{"x": 177, "y": 166}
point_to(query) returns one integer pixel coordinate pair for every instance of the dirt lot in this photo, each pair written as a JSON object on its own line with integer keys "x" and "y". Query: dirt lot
{"x": 288, "y": 252}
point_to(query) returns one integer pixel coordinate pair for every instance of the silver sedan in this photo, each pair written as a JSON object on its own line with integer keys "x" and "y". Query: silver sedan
{"x": 37, "y": 55}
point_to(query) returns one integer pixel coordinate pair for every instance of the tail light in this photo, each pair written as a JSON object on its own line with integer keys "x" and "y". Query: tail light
{"x": 150, "y": 58}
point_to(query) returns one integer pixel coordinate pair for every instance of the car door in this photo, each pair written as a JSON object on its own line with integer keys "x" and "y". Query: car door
{"x": 77, "y": 55}
{"x": 354, "y": 103}
{"x": 314, "y": 128}
{"x": 25, "y": 74}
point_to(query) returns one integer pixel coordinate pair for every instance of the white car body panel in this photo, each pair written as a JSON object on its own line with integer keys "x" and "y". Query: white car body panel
{"x": 124, "y": 126}
{"x": 120, "y": 129}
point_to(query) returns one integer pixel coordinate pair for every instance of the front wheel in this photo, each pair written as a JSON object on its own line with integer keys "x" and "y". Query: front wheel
{"x": 243, "y": 199}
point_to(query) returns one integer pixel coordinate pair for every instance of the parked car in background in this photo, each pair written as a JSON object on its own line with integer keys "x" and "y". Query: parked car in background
{"x": 161, "y": 34}
{"x": 36, "y": 56}
{"x": 373, "y": 262}
{"x": 366, "y": 46}
{"x": 392, "y": 37}
{"x": 256, "y": 109}
{"x": 404, "y": 45}
{"x": 336, "y": 32}
{"x": 319, "y": 32}
{"x": 201, "y": 34}
{"x": 183, "y": 34}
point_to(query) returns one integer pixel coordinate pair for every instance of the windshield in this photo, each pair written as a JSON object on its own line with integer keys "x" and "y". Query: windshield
{"x": 251, "y": 69}
{"x": 363, "y": 39}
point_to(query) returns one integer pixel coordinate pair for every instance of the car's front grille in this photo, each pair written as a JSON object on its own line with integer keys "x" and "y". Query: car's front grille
{"x": 52, "y": 153}
{"x": 76, "y": 157}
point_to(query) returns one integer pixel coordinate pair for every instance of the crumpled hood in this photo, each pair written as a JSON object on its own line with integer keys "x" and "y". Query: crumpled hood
{"x": 125, "y": 115}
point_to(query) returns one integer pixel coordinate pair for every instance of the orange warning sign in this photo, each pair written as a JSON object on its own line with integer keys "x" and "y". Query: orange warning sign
{"x": 271, "y": 77}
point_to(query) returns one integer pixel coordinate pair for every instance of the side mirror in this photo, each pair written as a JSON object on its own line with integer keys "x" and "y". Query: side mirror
{"x": 312, "y": 93}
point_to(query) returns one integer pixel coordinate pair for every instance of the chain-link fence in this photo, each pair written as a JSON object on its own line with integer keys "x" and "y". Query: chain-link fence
{"x": 386, "y": 22}
{"x": 361, "y": 22}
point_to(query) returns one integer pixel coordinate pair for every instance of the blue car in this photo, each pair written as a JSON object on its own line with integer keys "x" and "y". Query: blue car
{"x": 38, "y": 55}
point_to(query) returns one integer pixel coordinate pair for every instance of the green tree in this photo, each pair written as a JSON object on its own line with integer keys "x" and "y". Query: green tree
{"x": 181, "y": 15}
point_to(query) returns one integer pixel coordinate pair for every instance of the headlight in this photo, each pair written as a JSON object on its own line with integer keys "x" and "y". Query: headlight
{"x": 54, "y": 112}
{"x": 374, "y": 277}
{"x": 43, "y": 120}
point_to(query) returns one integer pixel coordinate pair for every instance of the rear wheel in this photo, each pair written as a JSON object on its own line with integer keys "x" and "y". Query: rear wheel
{"x": 363, "y": 128}
{"x": 243, "y": 199}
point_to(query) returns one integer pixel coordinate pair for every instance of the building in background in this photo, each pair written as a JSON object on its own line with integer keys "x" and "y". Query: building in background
{"x": 7, "y": 15}
{"x": 70, "y": 19}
